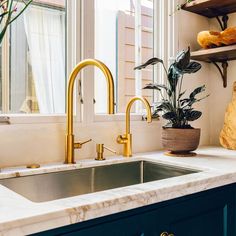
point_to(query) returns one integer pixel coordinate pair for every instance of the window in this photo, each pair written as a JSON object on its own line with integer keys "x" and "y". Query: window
{"x": 33, "y": 75}
{"x": 123, "y": 40}
{"x": 34, "y": 56}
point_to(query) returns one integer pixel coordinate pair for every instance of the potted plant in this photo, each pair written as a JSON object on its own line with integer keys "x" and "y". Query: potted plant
{"x": 9, "y": 13}
{"x": 178, "y": 136}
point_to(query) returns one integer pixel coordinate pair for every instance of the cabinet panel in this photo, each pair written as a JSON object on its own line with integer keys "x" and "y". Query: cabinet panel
{"x": 211, "y": 214}
{"x": 146, "y": 224}
{"x": 210, "y": 223}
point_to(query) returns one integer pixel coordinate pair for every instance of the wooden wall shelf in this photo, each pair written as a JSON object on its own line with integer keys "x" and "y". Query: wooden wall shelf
{"x": 220, "y": 54}
{"x": 211, "y": 8}
{"x": 217, "y": 55}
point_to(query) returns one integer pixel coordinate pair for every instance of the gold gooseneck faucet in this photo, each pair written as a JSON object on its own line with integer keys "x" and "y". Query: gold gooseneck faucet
{"x": 126, "y": 139}
{"x": 70, "y": 144}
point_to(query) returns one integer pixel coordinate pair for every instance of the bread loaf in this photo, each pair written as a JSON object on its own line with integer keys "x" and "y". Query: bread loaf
{"x": 211, "y": 39}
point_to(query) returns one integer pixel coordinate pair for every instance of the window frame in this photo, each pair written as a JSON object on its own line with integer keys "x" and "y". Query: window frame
{"x": 80, "y": 45}
{"x": 72, "y": 55}
{"x": 88, "y": 52}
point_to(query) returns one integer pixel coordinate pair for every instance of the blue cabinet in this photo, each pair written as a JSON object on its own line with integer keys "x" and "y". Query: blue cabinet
{"x": 209, "y": 213}
{"x": 213, "y": 213}
{"x": 144, "y": 224}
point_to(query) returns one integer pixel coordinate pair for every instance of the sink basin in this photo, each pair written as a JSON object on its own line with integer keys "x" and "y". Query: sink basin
{"x": 52, "y": 186}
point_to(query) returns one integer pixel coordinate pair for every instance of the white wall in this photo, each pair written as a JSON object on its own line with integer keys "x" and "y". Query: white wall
{"x": 44, "y": 143}
{"x": 220, "y": 97}
{"x": 189, "y": 26}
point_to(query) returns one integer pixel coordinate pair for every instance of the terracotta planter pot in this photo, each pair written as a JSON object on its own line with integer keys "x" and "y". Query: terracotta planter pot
{"x": 180, "y": 141}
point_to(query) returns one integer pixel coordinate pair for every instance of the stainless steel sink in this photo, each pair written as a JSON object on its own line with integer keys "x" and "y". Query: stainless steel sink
{"x": 51, "y": 186}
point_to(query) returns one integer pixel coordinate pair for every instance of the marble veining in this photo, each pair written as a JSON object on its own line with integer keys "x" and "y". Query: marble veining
{"x": 19, "y": 216}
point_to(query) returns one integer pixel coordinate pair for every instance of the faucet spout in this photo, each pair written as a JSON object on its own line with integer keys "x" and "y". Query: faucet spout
{"x": 70, "y": 144}
{"x": 126, "y": 139}
{"x": 128, "y": 109}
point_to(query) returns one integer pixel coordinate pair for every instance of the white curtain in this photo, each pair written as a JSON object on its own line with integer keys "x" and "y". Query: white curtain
{"x": 45, "y": 31}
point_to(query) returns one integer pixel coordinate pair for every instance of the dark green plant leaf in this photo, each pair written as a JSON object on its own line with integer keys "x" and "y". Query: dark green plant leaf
{"x": 158, "y": 87}
{"x": 151, "y": 61}
{"x": 188, "y": 102}
{"x": 169, "y": 115}
{"x": 173, "y": 77}
{"x": 152, "y": 86}
{"x": 182, "y": 60}
{"x": 155, "y": 86}
{"x": 181, "y": 94}
{"x": 155, "y": 114}
{"x": 193, "y": 115}
{"x": 176, "y": 126}
{"x": 165, "y": 106}
{"x": 193, "y": 67}
{"x": 192, "y": 101}
{"x": 197, "y": 91}
{"x": 181, "y": 114}
{"x": 184, "y": 101}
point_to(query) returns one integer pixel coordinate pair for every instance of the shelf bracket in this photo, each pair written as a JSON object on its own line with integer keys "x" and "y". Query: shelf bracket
{"x": 223, "y": 21}
{"x": 223, "y": 71}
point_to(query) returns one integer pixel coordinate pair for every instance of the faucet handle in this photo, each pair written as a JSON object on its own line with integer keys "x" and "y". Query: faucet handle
{"x": 100, "y": 151}
{"x": 122, "y": 139}
{"x": 109, "y": 149}
{"x": 79, "y": 145}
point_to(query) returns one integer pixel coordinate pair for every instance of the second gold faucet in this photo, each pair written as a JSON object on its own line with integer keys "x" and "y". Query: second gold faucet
{"x": 126, "y": 139}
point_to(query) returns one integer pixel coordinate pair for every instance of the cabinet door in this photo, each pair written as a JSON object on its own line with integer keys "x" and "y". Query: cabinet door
{"x": 209, "y": 215}
{"x": 151, "y": 223}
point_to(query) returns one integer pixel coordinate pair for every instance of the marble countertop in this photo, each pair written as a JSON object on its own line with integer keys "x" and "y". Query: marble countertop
{"x": 20, "y": 216}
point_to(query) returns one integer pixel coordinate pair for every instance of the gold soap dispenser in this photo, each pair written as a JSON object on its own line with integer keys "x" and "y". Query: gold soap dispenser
{"x": 100, "y": 151}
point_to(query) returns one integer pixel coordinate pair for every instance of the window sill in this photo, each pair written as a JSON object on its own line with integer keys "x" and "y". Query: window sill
{"x": 61, "y": 118}
{"x": 35, "y": 118}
